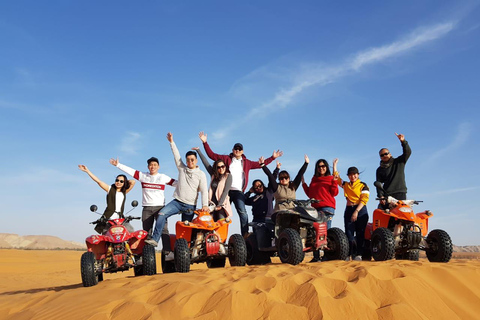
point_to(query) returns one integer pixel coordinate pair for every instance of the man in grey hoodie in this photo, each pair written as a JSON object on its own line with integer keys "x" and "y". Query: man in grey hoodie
{"x": 191, "y": 180}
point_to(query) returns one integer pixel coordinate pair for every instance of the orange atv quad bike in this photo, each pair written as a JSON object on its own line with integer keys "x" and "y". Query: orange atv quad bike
{"x": 398, "y": 232}
{"x": 204, "y": 240}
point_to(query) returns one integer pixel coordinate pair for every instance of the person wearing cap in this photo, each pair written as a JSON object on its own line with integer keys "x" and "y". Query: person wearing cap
{"x": 153, "y": 186}
{"x": 356, "y": 214}
{"x": 239, "y": 167}
{"x": 191, "y": 180}
{"x": 391, "y": 172}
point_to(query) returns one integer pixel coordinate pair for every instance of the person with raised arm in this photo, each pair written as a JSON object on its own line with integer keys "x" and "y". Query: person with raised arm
{"x": 239, "y": 167}
{"x": 191, "y": 180}
{"x": 391, "y": 172}
{"x": 116, "y": 195}
{"x": 221, "y": 181}
{"x": 153, "y": 186}
{"x": 287, "y": 189}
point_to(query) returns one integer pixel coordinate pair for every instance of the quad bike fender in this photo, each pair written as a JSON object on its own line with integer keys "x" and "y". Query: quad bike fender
{"x": 369, "y": 231}
{"x": 222, "y": 232}
{"x": 380, "y": 219}
{"x": 137, "y": 242}
{"x": 97, "y": 245}
{"x": 421, "y": 219}
{"x": 183, "y": 231}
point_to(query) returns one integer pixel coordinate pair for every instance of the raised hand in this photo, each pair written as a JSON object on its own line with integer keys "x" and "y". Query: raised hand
{"x": 114, "y": 162}
{"x": 261, "y": 160}
{"x": 170, "y": 137}
{"x": 335, "y": 163}
{"x": 278, "y": 164}
{"x": 307, "y": 160}
{"x": 202, "y": 136}
{"x": 83, "y": 167}
{"x": 400, "y": 137}
{"x": 277, "y": 154}
{"x": 195, "y": 148}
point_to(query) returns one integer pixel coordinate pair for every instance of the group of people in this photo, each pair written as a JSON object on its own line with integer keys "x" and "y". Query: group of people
{"x": 229, "y": 180}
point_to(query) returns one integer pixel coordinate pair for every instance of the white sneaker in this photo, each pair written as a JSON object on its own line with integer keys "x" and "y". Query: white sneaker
{"x": 358, "y": 258}
{"x": 152, "y": 242}
{"x": 170, "y": 256}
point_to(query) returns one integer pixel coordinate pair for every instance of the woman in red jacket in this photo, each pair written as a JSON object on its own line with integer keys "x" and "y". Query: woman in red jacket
{"x": 323, "y": 187}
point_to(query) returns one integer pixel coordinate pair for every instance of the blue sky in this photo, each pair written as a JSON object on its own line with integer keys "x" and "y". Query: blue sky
{"x": 84, "y": 81}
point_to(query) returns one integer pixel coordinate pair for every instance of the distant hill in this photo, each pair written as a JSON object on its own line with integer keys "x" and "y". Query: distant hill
{"x": 14, "y": 241}
{"x": 466, "y": 248}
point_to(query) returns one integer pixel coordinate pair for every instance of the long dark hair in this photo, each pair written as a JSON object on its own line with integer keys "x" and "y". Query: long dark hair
{"x": 216, "y": 175}
{"x": 317, "y": 172}
{"x": 126, "y": 183}
{"x": 285, "y": 174}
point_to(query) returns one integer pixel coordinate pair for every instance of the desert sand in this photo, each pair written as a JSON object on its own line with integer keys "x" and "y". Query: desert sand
{"x": 46, "y": 284}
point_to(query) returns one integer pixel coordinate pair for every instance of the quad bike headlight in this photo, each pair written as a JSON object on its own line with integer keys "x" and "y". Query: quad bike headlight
{"x": 206, "y": 218}
{"x": 406, "y": 209}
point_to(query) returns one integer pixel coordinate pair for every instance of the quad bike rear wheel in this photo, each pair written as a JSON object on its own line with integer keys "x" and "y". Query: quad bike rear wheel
{"x": 87, "y": 269}
{"x": 182, "y": 256}
{"x": 439, "y": 246}
{"x": 216, "y": 263}
{"x": 289, "y": 247}
{"x": 382, "y": 244}
{"x": 167, "y": 266}
{"x": 255, "y": 256}
{"x": 337, "y": 245}
{"x": 237, "y": 251}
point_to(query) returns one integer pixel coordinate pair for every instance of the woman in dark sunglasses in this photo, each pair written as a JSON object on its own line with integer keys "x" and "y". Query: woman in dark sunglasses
{"x": 220, "y": 184}
{"x": 287, "y": 189}
{"x": 116, "y": 195}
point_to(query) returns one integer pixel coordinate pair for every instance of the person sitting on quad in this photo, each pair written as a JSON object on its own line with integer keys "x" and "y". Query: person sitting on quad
{"x": 262, "y": 201}
{"x": 116, "y": 195}
{"x": 221, "y": 181}
{"x": 356, "y": 214}
{"x": 324, "y": 188}
{"x": 391, "y": 173}
{"x": 191, "y": 180}
{"x": 287, "y": 189}
{"x": 239, "y": 167}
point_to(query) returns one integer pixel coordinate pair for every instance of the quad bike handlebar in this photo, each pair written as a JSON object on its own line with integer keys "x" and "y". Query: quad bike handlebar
{"x": 301, "y": 203}
{"x": 391, "y": 199}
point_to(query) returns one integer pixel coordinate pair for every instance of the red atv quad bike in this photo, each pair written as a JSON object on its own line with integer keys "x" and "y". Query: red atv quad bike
{"x": 398, "y": 232}
{"x": 116, "y": 250}
{"x": 204, "y": 240}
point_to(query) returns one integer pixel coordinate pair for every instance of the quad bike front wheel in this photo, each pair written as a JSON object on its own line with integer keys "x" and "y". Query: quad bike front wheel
{"x": 149, "y": 260}
{"x": 255, "y": 256}
{"x": 439, "y": 246}
{"x": 237, "y": 250}
{"x": 182, "y": 256}
{"x": 337, "y": 245}
{"x": 382, "y": 244}
{"x": 289, "y": 247}
{"x": 88, "y": 271}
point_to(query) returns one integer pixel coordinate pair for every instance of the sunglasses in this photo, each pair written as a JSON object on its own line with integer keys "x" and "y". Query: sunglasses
{"x": 238, "y": 149}
{"x": 384, "y": 154}
{"x": 258, "y": 187}
{"x": 283, "y": 178}
{"x": 220, "y": 167}
{"x": 118, "y": 180}
{"x": 322, "y": 166}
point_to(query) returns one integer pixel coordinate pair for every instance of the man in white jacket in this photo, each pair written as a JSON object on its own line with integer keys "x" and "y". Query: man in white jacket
{"x": 191, "y": 180}
{"x": 153, "y": 186}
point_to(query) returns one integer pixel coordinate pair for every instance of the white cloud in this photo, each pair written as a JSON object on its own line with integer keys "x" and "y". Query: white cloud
{"x": 319, "y": 75}
{"x": 130, "y": 143}
{"x": 463, "y": 133}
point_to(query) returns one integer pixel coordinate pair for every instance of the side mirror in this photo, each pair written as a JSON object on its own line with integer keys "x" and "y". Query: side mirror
{"x": 93, "y": 208}
{"x": 134, "y": 203}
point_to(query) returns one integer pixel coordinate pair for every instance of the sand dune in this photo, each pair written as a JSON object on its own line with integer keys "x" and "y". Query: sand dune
{"x": 47, "y": 285}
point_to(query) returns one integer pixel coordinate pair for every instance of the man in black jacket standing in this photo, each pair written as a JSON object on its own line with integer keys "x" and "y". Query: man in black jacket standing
{"x": 391, "y": 172}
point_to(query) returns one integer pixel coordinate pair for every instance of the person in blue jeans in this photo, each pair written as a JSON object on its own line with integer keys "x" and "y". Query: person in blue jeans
{"x": 191, "y": 180}
{"x": 239, "y": 167}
